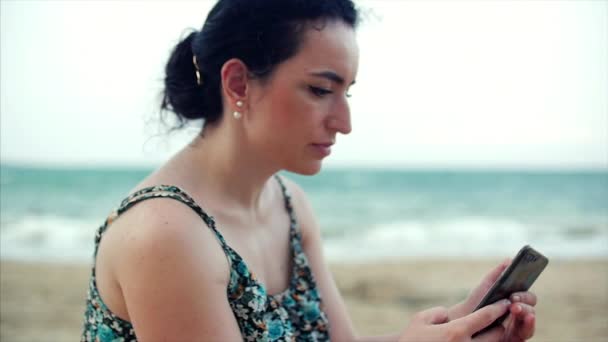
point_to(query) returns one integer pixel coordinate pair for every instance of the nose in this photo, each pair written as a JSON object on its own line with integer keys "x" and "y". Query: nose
{"x": 340, "y": 119}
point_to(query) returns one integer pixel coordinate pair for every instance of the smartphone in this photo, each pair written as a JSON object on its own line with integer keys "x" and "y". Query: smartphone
{"x": 519, "y": 276}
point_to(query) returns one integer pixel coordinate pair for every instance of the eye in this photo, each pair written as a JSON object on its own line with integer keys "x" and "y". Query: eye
{"x": 319, "y": 92}
{"x": 348, "y": 93}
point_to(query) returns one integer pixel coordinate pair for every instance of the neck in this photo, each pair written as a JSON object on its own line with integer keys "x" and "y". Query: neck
{"x": 224, "y": 165}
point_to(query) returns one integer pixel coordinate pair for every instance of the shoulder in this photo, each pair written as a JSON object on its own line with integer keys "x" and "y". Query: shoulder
{"x": 164, "y": 232}
{"x": 303, "y": 209}
{"x": 172, "y": 273}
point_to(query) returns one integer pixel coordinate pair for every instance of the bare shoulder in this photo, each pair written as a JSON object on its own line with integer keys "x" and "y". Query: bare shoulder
{"x": 303, "y": 210}
{"x": 161, "y": 227}
{"x": 297, "y": 193}
{"x": 172, "y": 272}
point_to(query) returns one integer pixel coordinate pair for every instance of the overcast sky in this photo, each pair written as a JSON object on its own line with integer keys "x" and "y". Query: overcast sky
{"x": 440, "y": 84}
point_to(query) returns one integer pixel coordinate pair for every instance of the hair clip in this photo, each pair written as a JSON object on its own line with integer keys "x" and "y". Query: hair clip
{"x": 199, "y": 81}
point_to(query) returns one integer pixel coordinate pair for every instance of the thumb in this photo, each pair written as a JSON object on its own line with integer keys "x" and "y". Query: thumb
{"x": 493, "y": 275}
{"x": 437, "y": 315}
{"x": 483, "y": 317}
{"x": 486, "y": 283}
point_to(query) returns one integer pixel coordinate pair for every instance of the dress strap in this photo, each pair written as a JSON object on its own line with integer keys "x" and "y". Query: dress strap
{"x": 162, "y": 191}
{"x": 288, "y": 206}
{"x": 286, "y": 197}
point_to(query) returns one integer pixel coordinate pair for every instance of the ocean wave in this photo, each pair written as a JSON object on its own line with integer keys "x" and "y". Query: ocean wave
{"x": 61, "y": 238}
{"x": 466, "y": 237}
{"x": 49, "y": 238}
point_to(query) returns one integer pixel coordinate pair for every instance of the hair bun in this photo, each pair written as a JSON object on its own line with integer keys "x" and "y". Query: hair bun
{"x": 182, "y": 93}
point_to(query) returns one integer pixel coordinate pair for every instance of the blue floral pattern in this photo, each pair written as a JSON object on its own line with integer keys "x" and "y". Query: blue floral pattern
{"x": 293, "y": 315}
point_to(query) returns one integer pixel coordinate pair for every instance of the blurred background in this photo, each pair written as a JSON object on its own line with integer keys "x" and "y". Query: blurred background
{"x": 478, "y": 127}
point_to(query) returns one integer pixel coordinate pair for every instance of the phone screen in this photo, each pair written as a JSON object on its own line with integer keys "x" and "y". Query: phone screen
{"x": 519, "y": 276}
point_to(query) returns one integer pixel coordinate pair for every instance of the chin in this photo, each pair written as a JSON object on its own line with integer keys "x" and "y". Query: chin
{"x": 306, "y": 169}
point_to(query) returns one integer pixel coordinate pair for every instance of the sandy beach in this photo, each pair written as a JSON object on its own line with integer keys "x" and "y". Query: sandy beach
{"x": 45, "y": 302}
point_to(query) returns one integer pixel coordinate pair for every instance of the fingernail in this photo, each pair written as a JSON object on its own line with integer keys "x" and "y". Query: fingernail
{"x": 507, "y": 302}
{"x": 518, "y": 308}
{"x": 516, "y": 298}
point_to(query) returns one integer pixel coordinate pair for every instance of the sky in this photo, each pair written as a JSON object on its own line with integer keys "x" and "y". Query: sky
{"x": 482, "y": 84}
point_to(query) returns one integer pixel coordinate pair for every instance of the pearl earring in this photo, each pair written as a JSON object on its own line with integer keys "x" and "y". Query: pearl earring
{"x": 237, "y": 115}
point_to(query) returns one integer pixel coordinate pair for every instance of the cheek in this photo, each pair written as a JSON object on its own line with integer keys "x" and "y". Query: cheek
{"x": 292, "y": 112}
{"x": 282, "y": 110}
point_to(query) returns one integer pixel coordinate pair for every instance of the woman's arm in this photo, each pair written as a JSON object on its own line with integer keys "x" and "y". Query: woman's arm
{"x": 173, "y": 275}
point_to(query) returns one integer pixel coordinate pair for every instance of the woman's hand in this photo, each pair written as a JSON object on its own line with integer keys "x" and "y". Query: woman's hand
{"x": 433, "y": 325}
{"x": 520, "y": 323}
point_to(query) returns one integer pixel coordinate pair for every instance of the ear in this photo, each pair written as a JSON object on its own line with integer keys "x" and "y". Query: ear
{"x": 234, "y": 81}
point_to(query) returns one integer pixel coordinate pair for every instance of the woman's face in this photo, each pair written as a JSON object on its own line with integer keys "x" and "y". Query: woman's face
{"x": 295, "y": 115}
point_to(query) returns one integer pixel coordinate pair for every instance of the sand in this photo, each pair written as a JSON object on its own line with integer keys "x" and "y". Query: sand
{"x": 45, "y": 302}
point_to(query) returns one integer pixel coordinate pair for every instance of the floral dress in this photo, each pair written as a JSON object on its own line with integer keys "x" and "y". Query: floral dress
{"x": 293, "y": 315}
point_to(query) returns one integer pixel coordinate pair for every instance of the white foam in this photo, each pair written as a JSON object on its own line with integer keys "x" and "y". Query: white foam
{"x": 48, "y": 237}
{"x": 465, "y": 237}
{"x": 56, "y": 238}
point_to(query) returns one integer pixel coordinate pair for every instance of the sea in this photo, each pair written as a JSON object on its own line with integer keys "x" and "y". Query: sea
{"x": 365, "y": 214}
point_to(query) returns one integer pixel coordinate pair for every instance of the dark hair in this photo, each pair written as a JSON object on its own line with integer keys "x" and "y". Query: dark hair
{"x": 261, "y": 33}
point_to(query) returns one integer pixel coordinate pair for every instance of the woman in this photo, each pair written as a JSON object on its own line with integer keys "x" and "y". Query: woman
{"x": 270, "y": 78}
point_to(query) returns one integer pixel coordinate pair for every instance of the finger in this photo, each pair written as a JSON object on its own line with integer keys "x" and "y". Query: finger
{"x": 529, "y": 324}
{"x": 524, "y": 297}
{"x": 494, "y": 334}
{"x": 437, "y": 315}
{"x": 483, "y": 317}
{"x": 486, "y": 283}
{"x": 509, "y": 322}
{"x": 521, "y": 309}
{"x": 521, "y": 327}
{"x": 491, "y": 277}
{"x": 478, "y": 292}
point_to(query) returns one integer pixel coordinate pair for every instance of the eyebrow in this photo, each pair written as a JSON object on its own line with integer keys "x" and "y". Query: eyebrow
{"x": 330, "y": 75}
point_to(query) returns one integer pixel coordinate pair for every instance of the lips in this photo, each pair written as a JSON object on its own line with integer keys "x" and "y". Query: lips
{"x": 327, "y": 144}
{"x": 323, "y": 149}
